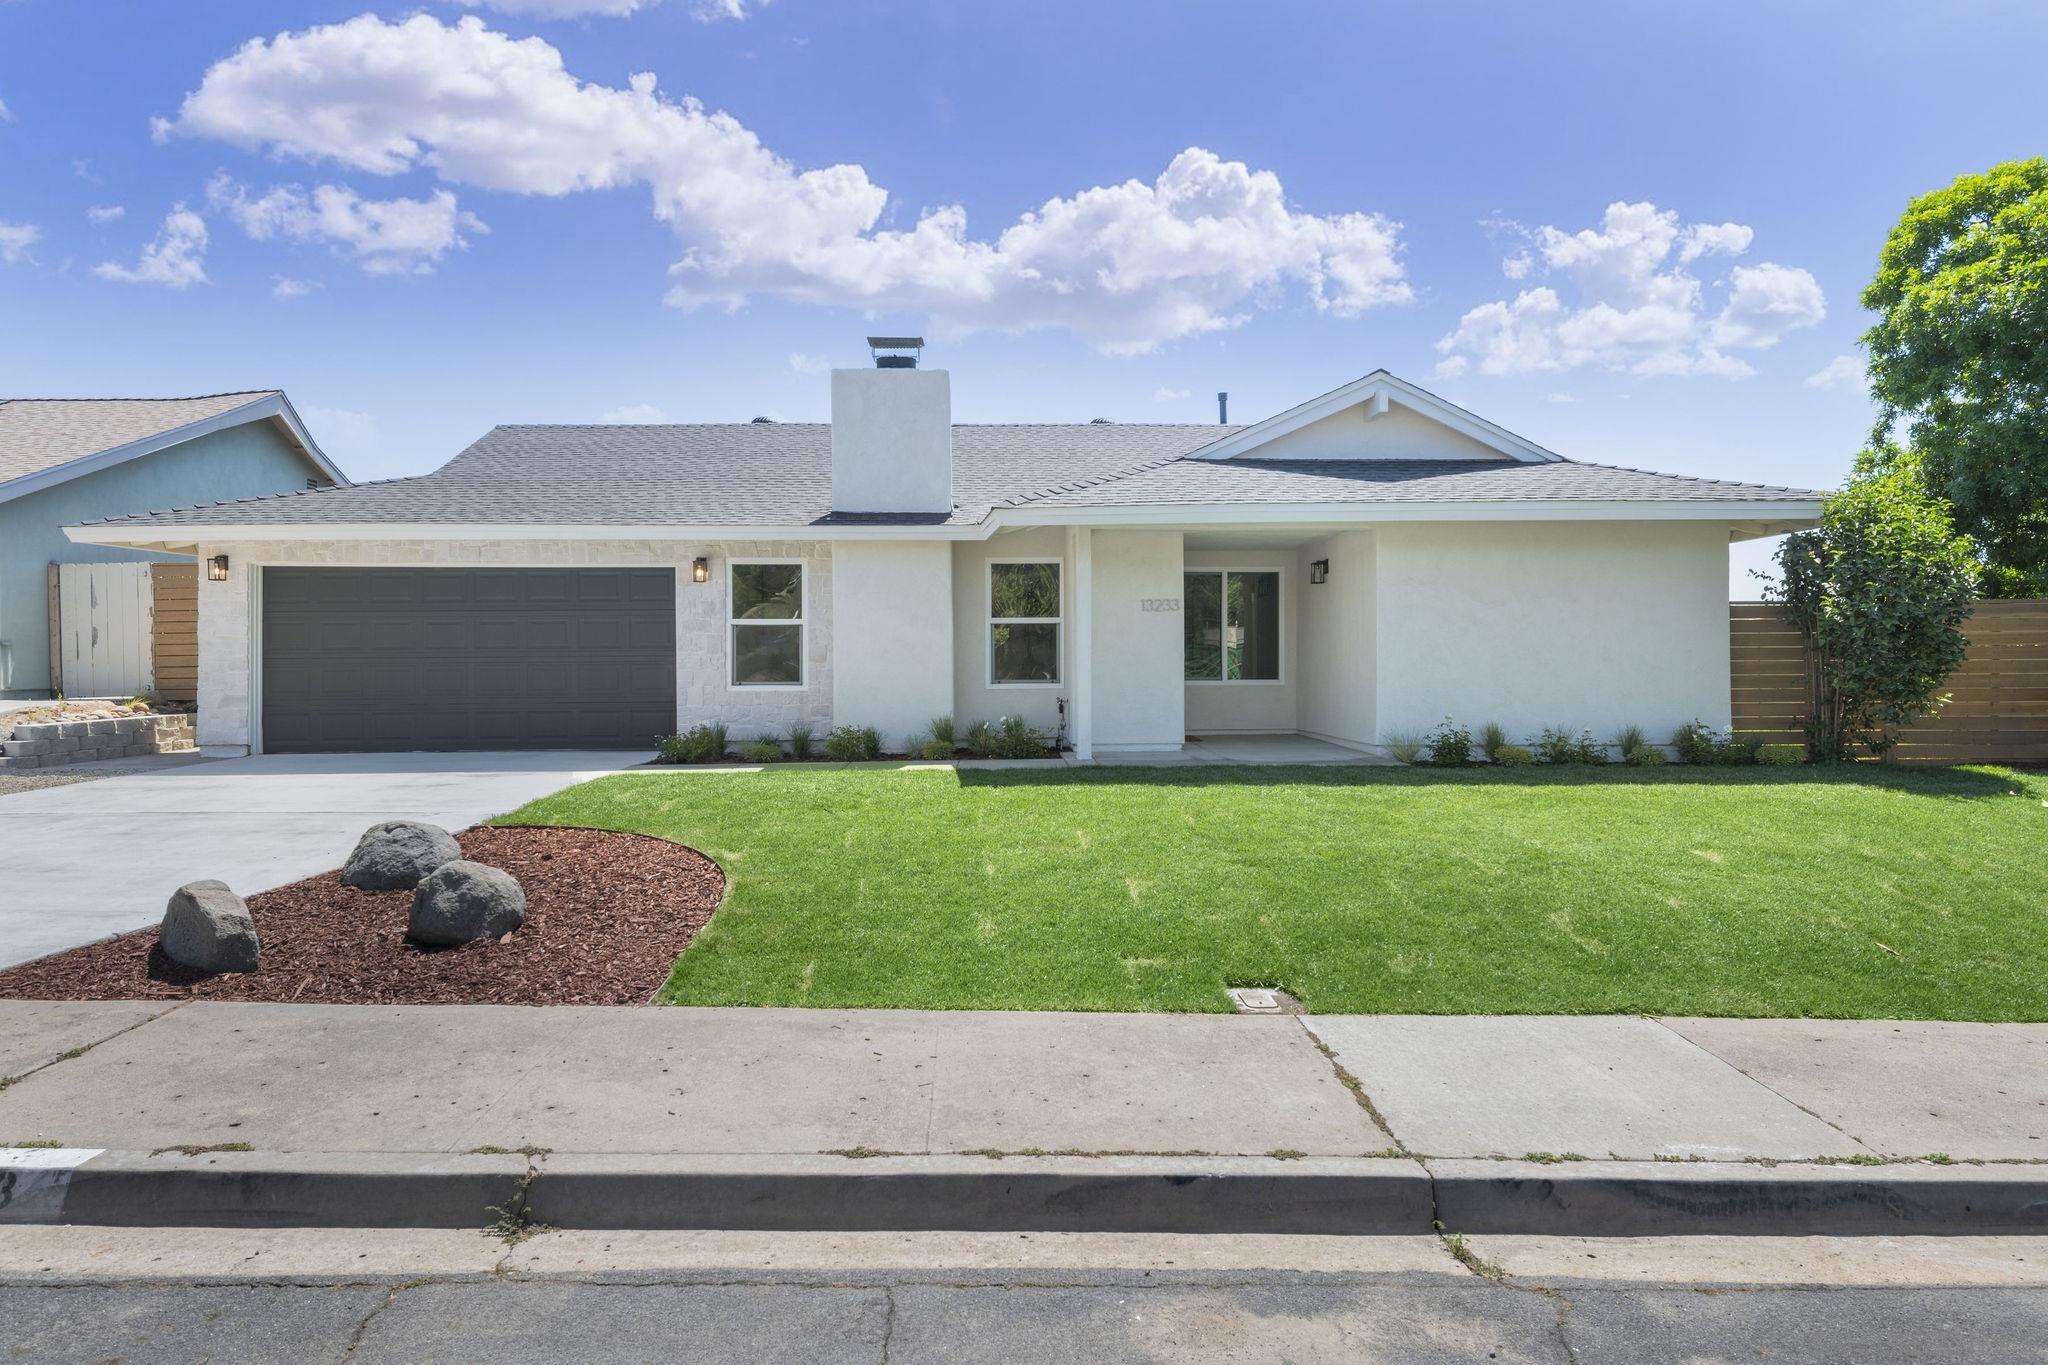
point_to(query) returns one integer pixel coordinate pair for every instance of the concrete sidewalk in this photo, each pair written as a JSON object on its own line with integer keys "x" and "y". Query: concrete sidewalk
{"x": 96, "y": 858}
{"x": 849, "y": 1119}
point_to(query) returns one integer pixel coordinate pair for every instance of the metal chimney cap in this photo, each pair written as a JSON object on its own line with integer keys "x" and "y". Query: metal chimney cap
{"x": 896, "y": 343}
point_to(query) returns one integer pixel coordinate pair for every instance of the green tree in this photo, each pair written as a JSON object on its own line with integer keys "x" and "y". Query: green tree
{"x": 1880, "y": 589}
{"x": 1959, "y": 360}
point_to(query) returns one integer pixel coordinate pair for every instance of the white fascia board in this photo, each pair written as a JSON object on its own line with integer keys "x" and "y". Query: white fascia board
{"x": 1376, "y": 387}
{"x": 271, "y": 406}
{"x": 1784, "y": 515}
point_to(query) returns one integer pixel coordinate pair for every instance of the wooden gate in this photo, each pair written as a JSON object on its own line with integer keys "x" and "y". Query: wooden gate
{"x": 1998, "y": 712}
{"x": 125, "y": 630}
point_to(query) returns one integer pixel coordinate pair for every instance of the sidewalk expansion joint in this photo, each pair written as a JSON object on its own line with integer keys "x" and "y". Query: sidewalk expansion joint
{"x": 1767, "y": 1089}
{"x": 170, "y": 1008}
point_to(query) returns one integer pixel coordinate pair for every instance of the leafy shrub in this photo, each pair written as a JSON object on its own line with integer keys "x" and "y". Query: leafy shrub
{"x": 1781, "y": 753}
{"x": 1734, "y": 751}
{"x": 936, "y": 751}
{"x": 1643, "y": 756}
{"x": 1405, "y": 746}
{"x": 1513, "y": 756}
{"x": 761, "y": 751}
{"x": 800, "y": 741}
{"x": 1630, "y": 738}
{"x": 1450, "y": 745}
{"x": 1492, "y": 739}
{"x": 698, "y": 744}
{"x": 853, "y": 744}
{"x": 1586, "y": 749}
{"x": 942, "y": 733}
{"x": 1694, "y": 742}
{"x": 980, "y": 739}
{"x": 1556, "y": 745}
{"x": 1016, "y": 739}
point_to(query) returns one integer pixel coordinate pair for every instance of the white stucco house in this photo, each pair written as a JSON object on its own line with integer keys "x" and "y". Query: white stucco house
{"x": 1358, "y": 566}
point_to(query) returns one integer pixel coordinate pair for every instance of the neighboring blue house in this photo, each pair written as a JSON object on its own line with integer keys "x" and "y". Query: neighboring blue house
{"x": 69, "y": 460}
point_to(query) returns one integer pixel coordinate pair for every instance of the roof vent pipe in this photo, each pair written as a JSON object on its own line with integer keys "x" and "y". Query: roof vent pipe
{"x": 1222, "y": 409}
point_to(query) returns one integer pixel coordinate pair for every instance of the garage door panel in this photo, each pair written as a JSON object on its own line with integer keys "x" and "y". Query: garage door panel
{"x": 400, "y": 659}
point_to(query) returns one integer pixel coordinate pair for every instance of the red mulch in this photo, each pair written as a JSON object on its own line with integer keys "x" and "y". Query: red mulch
{"x": 606, "y": 915}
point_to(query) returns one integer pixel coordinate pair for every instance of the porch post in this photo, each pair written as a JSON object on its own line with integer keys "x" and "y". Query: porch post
{"x": 1081, "y": 652}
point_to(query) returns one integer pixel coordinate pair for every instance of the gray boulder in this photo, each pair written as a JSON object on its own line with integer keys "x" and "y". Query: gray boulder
{"x": 461, "y": 901}
{"x": 394, "y": 856}
{"x": 206, "y": 926}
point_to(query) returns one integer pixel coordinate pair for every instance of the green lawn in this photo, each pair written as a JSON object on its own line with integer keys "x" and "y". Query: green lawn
{"x": 1858, "y": 892}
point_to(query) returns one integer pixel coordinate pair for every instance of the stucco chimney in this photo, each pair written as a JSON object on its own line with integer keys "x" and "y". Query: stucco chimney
{"x": 892, "y": 434}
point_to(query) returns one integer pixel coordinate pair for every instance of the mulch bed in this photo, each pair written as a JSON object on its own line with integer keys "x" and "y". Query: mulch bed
{"x": 606, "y": 915}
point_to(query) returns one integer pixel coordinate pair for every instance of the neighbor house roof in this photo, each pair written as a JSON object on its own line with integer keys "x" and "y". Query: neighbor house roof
{"x": 44, "y": 441}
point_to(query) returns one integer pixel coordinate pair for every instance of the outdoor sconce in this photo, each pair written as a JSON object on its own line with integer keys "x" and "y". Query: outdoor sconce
{"x": 217, "y": 569}
{"x": 1319, "y": 571}
{"x": 700, "y": 570}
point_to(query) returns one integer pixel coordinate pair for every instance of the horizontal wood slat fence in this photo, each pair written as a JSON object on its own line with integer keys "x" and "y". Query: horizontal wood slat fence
{"x": 175, "y": 631}
{"x": 1998, "y": 712}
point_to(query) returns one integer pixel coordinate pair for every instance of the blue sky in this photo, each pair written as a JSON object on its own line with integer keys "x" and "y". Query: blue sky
{"x": 421, "y": 222}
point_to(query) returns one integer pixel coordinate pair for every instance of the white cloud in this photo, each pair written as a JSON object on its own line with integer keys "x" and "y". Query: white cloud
{"x": 343, "y": 433}
{"x": 634, "y": 412}
{"x": 285, "y": 288}
{"x": 383, "y": 236}
{"x": 1635, "y": 308}
{"x": 16, "y": 239}
{"x": 1163, "y": 394}
{"x": 100, "y": 215}
{"x": 1127, "y": 266}
{"x": 1518, "y": 266}
{"x": 804, "y": 363}
{"x": 176, "y": 258}
{"x": 1843, "y": 372}
{"x": 6, "y": 114}
{"x": 1561, "y": 396}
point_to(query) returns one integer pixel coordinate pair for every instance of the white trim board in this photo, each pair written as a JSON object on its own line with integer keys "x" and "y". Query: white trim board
{"x": 1375, "y": 390}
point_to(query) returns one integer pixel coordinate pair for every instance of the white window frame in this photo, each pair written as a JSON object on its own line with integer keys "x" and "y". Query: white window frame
{"x": 1280, "y": 588}
{"x": 990, "y": 621}
{"x": 802, "y": 622}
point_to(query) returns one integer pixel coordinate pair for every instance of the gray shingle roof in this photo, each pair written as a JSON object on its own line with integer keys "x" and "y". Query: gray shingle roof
{"x": 1248, "y": 479}
{"x": 780, "y": 475}
{"x": 41, "y": 433}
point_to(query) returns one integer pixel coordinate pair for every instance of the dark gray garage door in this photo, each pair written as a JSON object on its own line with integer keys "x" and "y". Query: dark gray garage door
{"x": 395, "y": 659}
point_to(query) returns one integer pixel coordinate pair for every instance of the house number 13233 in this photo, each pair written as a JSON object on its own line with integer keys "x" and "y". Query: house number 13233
{"x": 1159, "y": 604}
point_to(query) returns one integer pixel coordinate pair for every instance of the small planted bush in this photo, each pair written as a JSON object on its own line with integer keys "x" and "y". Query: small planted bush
{"x": 943, "y": 733}
{"x": 980, "y": 739}
{"x": 761, "y": 751}
{"x": 1630, "y": 738}
{"x": 1781, "y": 753}
{"x": 1513, "y": 756}
{"x": 1643, "y": 756}
{"x": 1405, "y": 746}
{"x": 1450, "y": 745}
{"x": 1734, "y": 751}
{"x": 935, "y": 751}
{"x": 853, "y": 744}
{"x": 1015, "y": 738}
{"x": 1694, "y": 742}
{"x": 1588, "y": 750}
{"x": 698, "y": 744}
{"x": 800, "y": 741}
{"x": 1556, "y": 745}
{"x": 1492, "y": 739}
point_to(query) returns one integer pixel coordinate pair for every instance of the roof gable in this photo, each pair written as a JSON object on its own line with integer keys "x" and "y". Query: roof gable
{"x": 48, "y": 441}
{"x": 1379, "y": 416}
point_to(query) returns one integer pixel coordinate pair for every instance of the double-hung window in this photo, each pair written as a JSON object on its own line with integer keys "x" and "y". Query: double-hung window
{"x": 765, "y": 619}
{"x": 1232, "y": 625}
{"x": 1024, "y": 623}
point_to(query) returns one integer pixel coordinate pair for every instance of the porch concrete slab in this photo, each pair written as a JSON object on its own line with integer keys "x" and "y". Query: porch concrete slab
{"x": 35, "y": 1033}
{"x": 90, "y": 859}
{"x": 1463, "y": 1086}
{"x": 1141, "y": 1083}
{"x": 1901, "y": 1088}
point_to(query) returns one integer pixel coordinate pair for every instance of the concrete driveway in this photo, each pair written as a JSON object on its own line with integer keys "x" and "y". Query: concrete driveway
{"x": 78, "y": 863}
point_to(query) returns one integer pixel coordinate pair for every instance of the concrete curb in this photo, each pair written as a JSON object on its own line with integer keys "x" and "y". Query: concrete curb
{"x": 1331, "y": 1195}
{"x": 1653, "y": 1198}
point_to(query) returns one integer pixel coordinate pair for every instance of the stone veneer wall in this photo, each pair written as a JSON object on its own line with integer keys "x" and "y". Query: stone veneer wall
{"x": 63, "y": 742}
{"x": 227, "y": 615}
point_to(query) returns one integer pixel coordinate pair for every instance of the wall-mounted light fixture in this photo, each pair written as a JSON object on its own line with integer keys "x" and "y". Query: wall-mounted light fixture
{"x": 1319, "y": 571}
{"x": 217, "y": 569}
{"x": 700, "y": 570}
